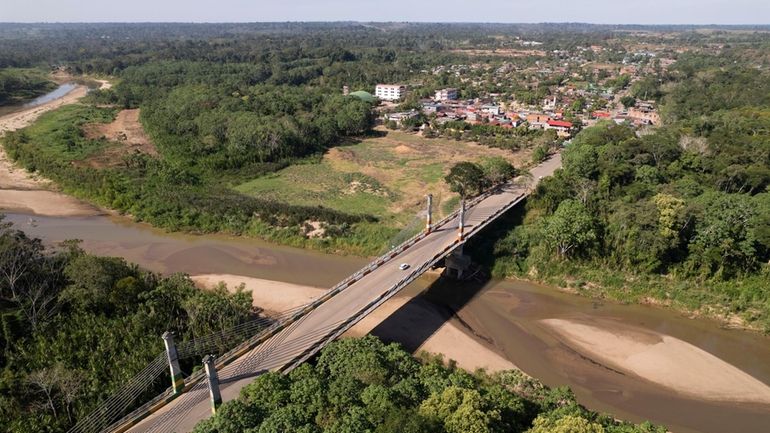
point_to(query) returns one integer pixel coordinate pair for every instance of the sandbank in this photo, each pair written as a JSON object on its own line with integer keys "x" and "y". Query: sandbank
{"x": 659, "y": 358}
{"x": 447, "y": 339}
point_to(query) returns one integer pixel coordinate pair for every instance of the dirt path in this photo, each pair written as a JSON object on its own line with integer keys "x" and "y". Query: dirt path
{"x": 22, "y": 191}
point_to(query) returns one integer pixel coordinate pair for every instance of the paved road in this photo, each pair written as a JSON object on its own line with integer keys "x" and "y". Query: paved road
{"x": 182, "y": 414}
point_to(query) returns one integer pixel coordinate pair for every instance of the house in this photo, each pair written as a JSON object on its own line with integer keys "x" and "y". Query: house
{"x": 448, "y": 94}
{"x": 549, "y": 104}
{"x": 400, "y": 117}
{"x": 562, "y": 127}
{"x": 537, "y": 120}
{"x": 390, "y": 92}
{"x": 644, "y": 113}
{"x": 491, "y": 109}
{"x": 430, "y": 107}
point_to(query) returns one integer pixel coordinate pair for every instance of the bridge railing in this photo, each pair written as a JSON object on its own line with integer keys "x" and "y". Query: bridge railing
{"x": 395, "y": 288}
{"x": 292, "y": 316}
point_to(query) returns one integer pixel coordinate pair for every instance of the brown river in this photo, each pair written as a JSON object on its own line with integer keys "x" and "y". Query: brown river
{"x": 510, "y": 316}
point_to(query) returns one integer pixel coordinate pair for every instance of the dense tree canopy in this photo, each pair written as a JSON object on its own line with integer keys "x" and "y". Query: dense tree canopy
{"x": 363, "y": 385}
{"x": 76, "y": 327}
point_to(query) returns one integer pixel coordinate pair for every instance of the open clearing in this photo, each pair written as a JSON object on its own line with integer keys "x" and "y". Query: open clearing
{"x": 385, "y": 176}
{"x": 127, "y": 132}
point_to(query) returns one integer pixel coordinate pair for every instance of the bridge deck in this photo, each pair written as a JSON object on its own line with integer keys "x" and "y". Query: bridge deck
{"x": 314, "y": 329}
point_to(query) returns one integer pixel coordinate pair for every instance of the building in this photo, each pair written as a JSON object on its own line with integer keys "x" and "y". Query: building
{"x": 549, "y": 104}
{"x": 491, "y": 109}
{"x": 448, "y": 94}
{"x": 364, "y": 96}
{"x": 562, "y": 127}
{"x": 537, "y": 120}
{"x": 390, "y": 92}
{"x": 644, "y": 112}
{"x": 430, "y": 107}
{"x": 400, "y": 117}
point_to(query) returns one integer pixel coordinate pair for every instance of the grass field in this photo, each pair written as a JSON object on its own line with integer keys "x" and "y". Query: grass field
{"x": 386, "y": 176}
{"x": 62, "y": 131}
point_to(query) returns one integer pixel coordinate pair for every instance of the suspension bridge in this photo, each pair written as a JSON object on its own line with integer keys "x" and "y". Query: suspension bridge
{"x": 283, "y": 342}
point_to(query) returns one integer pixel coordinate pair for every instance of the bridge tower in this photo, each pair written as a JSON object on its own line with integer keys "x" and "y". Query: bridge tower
{"x": 213, "y": 381}
{"x": 461, "y": 224}
{"x": 429, "y": 219}
{"x": 177, "y": 381}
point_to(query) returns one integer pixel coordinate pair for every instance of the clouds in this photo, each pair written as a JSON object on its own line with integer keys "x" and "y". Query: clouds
{"x": 597, "y": 11}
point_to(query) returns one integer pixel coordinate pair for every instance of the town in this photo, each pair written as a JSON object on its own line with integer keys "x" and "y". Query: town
{"x": 565, "y": 91}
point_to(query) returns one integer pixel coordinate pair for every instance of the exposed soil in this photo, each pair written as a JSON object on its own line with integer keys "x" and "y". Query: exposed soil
{"x": 127, "y": 132}
{"x": 400, "y": 158}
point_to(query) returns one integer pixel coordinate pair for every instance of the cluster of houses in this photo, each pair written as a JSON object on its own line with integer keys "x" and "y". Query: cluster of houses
{"x": 584, "y": 85}
{"x": 446, "y": 106}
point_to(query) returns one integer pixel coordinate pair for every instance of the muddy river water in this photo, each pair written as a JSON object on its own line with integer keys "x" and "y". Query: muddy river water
{"x": 57, "y": 93}
{"x": 508, "y": 315}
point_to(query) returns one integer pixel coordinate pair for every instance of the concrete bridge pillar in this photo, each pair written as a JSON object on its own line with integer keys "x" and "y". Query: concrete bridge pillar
{"x": 457, "y": 263}
{"x": 177, "y": 381}
{"x": 429, "y": 220}
{"x": 213, "y": 381}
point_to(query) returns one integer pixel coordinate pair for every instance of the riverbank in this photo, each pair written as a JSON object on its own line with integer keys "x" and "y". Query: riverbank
{"x": 659, "y": 358}
{"x": 448, "y": 339}
{"x": 686, "y": 297}
{"x": 22, "y": 191}
{"x": 504, "y": 316}
{"x": 652, "y": 356}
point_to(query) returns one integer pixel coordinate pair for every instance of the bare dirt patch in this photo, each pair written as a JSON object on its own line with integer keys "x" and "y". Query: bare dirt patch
{"x": 126, "y": 131}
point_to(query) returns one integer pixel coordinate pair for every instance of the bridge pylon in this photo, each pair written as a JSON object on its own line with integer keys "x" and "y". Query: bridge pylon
{"x": 213, "y": 381}
{"x": 429, "y": 218}
{"x": 461, "y": 224}
{"x": 177, "y": 381}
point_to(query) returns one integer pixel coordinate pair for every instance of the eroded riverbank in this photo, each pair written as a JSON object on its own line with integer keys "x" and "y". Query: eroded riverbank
{"x": 22, "y": 191}
{"x": 507, "y": 318}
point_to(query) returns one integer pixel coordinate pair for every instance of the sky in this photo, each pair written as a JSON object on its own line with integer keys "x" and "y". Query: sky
{"x": 502, "y": 11}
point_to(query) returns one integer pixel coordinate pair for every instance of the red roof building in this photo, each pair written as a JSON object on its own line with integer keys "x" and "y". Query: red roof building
{"x": 559, "y": 124}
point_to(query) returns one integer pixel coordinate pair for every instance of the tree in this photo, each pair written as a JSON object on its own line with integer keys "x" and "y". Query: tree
{"x": 569, "y": 228}
{"x": 725, "y": 239}
{"x": 498, "y": 170}
{"x": 628, "y": 101}
{"x": 581, "y": 160}
{"x": 565, "y": 424}
{"x": 540, "y": 153}
{"x": 465, "y": 178}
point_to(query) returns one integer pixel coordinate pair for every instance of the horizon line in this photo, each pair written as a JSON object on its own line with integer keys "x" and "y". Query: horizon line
{"x": 400, "y": 22}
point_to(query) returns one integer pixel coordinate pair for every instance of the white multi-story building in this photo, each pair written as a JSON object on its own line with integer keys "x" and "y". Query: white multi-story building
{"x": 390, "y": 92}
{"x": 446, "y": 95}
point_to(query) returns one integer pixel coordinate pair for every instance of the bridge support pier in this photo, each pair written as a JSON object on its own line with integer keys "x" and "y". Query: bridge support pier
{"x": 457, "y": 263}
{"x": 177, "y": 381}
{"x": 213, "y": 381}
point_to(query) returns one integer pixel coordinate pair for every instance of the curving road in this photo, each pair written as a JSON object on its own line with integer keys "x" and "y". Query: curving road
{"x": 306, "y": 336}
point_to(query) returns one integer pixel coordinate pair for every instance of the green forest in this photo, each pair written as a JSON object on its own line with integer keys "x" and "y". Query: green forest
{"x": 19, "y": 85}
{"x": 363, "y": 385}
{"x": 681, "y": 214}
{"x": 678, "y": 215}
{"x": 75, "y": 327}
